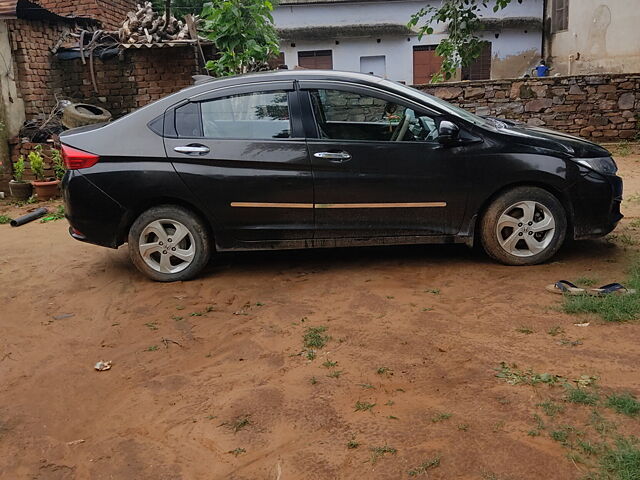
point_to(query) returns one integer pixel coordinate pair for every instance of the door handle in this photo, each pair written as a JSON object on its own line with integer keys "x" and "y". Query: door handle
{"x": 334, "y": 156}
{"x": 193, "y": 149}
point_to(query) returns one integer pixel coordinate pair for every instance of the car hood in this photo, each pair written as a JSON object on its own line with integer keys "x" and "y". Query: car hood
{"x": 552, "y": 140}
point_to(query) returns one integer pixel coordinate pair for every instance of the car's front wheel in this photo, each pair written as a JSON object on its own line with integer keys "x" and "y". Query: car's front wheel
{"x": 169, "y": 243}
{"x": 523, "y": 226}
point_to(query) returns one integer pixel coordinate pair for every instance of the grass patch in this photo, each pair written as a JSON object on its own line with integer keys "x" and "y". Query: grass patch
{"x": 586, "y": 281}
{"x": 556, "y": 330}
{"x": 424, "y": 467}
{"x": 314, "y": 339}
{"x": 237, "y": 451}
{"x": 611, "y": 308}
{"x": 551, "y": 409}
{"x": 513, "y": 376}
{"x": 379, "y": 452}
{"x": 624, "y": 403}
{"x": 352, "y": 444}
{"x": 441, "y": 417}
{"x": 364, "y": 406}
{"x": 4, "y": 219}
{"x": 525, "y": 330}
{"x": 383, "y": 370}
{"x": 238, "y": 424}
{"x": 151, "y": 325}
{"x": 152, "y": 348}
{"x": 57, "y": 215}
{"x": 621, "y": 462}
{"x": 580, "y": 395}
{"x": 329, "y": 364}
{"x": 335, "y": 374}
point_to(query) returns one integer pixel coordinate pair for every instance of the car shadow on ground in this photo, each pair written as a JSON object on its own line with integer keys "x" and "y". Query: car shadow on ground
{"x": 338, "y": 259}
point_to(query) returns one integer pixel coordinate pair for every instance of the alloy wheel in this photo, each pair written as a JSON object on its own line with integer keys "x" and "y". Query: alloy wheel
{"x": 167, "y": 246}
{"x": 525, "y": 229}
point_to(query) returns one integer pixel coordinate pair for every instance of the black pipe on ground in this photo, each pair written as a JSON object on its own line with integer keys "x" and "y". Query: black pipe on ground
{"x": 29, "y": 217}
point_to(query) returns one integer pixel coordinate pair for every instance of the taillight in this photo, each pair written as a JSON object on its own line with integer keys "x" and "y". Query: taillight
{"x": 75, "y": 159}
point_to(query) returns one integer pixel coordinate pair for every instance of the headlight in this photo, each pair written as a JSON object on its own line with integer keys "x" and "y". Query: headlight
{"x": 604, "y": 165}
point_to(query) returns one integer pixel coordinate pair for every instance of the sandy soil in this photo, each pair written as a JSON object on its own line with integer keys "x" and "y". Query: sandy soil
{"x": 189, "y": 359}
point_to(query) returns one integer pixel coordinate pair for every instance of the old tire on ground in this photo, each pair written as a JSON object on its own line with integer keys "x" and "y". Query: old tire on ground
{"x": 80, "y": 114}
{"x": 523, "y": 226}
{"x": 169, "y": 243}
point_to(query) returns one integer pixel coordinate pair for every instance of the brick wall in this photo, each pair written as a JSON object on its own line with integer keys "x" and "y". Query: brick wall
{"x": 597, "y": 107}
{"x": 111, "y": 13}
{"x": 130, "y": 80}
{"x": 31, "y": 43}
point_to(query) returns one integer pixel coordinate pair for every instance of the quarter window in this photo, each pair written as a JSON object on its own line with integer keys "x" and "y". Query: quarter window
{"x": 255, "y": 116}
{"x": 342, "y": 115}
{"x": 560, "y": 15}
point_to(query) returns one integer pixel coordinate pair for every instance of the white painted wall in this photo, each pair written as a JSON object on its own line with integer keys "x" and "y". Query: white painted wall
{"x": 397, "y": 49}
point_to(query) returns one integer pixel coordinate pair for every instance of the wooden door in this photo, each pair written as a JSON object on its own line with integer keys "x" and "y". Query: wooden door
{"x": 425, "y": 63}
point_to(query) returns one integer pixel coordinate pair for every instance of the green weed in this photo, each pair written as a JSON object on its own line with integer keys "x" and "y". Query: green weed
{"x": 580, "y": 395}
{"x": 378, "y": 452}
{"x": 441, "y": 417}
{"x": 364, "y": 406}
{"x": 624, "y": 403}
{"x": 424, "y": 467}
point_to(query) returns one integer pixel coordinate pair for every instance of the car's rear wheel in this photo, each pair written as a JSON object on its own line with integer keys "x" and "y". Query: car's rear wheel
{"x": 523, "y": 226}
{"x": 169, "y": 243}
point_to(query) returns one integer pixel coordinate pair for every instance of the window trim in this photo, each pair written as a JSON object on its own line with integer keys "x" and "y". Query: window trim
{"x": 560, "y": 22}
{"x": 306, "y": 91}
{"x": 295, "y": 127}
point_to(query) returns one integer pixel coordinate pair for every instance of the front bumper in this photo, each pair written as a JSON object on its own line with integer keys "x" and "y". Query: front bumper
{"x": 596, "y": 200}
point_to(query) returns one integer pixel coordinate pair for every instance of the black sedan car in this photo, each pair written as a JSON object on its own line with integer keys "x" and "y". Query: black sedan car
{"x": 299, "y": 159}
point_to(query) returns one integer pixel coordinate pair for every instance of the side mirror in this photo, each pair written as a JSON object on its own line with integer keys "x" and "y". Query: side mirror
{"x": 448, "y": 132}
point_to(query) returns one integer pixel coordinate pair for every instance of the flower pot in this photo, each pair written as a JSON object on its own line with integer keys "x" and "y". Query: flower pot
{"x": 46, "y": 190}
{"x": 20, "y": 190}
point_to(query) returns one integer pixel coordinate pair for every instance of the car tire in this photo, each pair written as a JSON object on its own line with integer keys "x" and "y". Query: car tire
{"x": 169, "y": 243}
{"x": 523, "y": 226}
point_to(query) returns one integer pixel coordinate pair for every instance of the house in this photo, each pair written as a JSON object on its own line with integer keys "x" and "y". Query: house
{"x": 372, "y": 36}
{"x": 593, "y": 36}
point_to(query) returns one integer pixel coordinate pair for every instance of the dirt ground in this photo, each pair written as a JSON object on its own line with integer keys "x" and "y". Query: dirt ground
{"x": 417, "y": 331}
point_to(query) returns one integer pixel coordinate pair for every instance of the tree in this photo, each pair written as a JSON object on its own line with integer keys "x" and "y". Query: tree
{"x": 242, "y": 32}
{"x": 462, "y": 46}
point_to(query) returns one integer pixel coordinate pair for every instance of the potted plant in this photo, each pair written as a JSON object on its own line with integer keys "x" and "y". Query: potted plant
{"x": 46, "y": 188}
{"x": 18, "y": 188}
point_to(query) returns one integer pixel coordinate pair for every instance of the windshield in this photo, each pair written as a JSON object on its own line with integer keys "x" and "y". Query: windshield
{"x": 445, "y": 106}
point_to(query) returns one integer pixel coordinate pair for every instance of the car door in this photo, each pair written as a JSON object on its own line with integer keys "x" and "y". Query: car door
{"x": 378, "y": 167}
{"x": 242, "y": 152}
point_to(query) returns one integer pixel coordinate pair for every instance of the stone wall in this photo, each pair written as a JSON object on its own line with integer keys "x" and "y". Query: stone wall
{"x": 601, "y": 108}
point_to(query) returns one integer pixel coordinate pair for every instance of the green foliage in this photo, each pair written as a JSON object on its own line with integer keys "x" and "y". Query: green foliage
{"x": 441, "y": 417}
{"x": 314, "y": 337}
{"x": 57, "y": 215}
{"x": 4, "y": 219}
{"x": 621, "y": 462}
{"x": 18, "y": 169}
{"x": 462, "y": 18}
{"x": 36, "y": 162}
{"x": 377, "y": 452}
{"x": 58, "y": 165}
{"x": 513, "y": 376}
{"x": 580, "y": 395}
{"x": 624, "y": 403}
{"x": 613, "y": 307}
{"x": 424, "y": 467}
{"x": 243, "y": 34}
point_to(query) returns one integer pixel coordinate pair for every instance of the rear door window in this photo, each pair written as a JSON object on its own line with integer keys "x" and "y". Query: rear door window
{"x": 254, "y": 116}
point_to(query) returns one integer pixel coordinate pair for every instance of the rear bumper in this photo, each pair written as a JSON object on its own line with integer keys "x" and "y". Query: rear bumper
{"x": 596, "y": 202}
{"x": 93, "y": 216}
